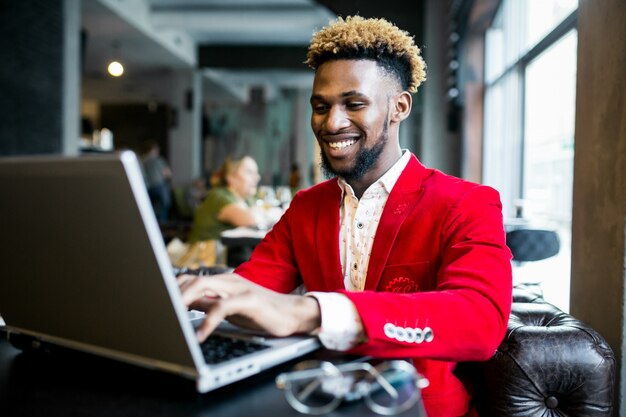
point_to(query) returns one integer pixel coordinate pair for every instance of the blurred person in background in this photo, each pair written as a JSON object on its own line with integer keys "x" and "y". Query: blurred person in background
{"x": 225, "y": 205}
{"x": 157, "y": 175}
{"x": 196, "y": 192}
{"x": 295, "y": 178}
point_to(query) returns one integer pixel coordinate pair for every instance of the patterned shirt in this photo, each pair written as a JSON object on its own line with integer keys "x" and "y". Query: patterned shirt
{"x": 341, "y": 327}
{"x": 359, "y": 221}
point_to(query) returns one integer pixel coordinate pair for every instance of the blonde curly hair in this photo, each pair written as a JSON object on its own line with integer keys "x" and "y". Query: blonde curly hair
{"x": 375, "y": 39}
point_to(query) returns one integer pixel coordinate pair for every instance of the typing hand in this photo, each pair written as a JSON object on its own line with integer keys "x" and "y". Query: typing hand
{"x": 245, "y": 304}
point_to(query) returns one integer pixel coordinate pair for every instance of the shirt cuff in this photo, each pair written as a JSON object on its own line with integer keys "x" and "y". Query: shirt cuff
{"x": 341, "y": 327}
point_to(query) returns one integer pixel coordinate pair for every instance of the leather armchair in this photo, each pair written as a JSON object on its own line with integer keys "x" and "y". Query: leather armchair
{"x": 549, "y": 364}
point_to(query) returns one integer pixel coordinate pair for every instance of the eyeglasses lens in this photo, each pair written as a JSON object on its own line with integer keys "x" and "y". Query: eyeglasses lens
{"x": 319, "y": 392}
{"x": 399, "y": 393}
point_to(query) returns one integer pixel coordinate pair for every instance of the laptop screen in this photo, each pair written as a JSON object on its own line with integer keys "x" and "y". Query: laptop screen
{"x": 85, "y": 262}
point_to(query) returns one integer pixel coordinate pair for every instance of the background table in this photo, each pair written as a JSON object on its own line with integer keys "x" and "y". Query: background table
{"x": 239, "y": 243}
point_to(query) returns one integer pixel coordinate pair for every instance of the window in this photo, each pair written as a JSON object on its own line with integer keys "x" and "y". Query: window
{"x": 530, "y": 73}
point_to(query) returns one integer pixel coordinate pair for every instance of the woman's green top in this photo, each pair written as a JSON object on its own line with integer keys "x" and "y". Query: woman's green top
{"x": 205, "y": 225}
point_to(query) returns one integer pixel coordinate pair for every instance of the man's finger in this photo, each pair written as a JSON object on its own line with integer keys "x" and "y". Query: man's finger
{"x": 224, "y": 286}
{"x": 218, "y": 310}
{"x": 214, "y": 316}
{"x": 197, "y": 289}
{"x": 249, "y": 310}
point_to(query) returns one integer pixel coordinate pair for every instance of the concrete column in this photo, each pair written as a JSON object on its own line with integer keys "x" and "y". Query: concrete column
{"x": 39, "y": 77}
{"x": 599, "y": 206}
{"x": 304, "y": 139}
{"x": 71, "y": 62}
{"x": 185, "y": 138}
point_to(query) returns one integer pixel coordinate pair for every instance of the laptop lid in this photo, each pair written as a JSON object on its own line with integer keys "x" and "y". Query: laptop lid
{"x": 86, "y": 266}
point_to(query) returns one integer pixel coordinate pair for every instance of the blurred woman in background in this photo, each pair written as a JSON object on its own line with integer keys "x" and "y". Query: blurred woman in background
{"x": 225, "y": 205}
{"x": 224, "y": 208}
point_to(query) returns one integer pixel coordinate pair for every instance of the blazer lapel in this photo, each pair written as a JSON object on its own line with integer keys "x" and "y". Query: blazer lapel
{"x": 327, "y": 238}
{"x": 402, "y": 199}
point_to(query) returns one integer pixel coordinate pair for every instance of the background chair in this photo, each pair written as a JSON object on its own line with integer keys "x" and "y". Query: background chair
{"x": 528, "y": 245}
{"x": 182, "y": 210}
{"x": 549, "y": 364}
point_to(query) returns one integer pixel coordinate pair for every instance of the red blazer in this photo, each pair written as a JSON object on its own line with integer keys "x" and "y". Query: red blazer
{"x": 438, "y": 287}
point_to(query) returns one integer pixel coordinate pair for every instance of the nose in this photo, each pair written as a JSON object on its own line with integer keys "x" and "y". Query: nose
{"x": 336, "y": 119}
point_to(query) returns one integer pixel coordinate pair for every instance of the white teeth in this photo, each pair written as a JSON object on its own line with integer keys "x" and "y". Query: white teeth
{"x": 342, "y": 144}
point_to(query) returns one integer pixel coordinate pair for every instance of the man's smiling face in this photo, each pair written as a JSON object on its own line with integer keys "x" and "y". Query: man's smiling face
{"x": 350, "y": 119}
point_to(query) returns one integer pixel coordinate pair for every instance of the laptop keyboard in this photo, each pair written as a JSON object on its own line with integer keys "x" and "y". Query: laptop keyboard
{"x": 218, "y": 348}
{"x": 202, "y": 270}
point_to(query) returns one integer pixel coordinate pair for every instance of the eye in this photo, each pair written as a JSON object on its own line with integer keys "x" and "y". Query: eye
{"x": 319, "y": 108}
{"x": 355, "y": 105}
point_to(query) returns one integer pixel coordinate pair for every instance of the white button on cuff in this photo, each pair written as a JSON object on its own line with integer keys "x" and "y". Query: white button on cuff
{"x": 419, "y": 335}
{"x": 408, "y": 334}
{"x": 428, "y": 334}
{"x": 390, "y": 330}
{"x": 400, "y": 334}
{"x": 411, "y": 335}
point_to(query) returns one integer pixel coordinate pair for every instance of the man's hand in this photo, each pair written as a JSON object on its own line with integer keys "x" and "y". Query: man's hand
{"x": 245, "y": 304}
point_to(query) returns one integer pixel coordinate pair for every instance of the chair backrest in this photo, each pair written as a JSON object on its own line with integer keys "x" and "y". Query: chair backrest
{"x": 181, "y": 205}
{"x": 532, "y": 244}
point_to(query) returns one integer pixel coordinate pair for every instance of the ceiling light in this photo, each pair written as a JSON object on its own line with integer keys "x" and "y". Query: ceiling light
{"x": 115, "y": 68}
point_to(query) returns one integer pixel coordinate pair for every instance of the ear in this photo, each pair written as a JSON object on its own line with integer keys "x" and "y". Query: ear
{"x": 401, "y": 107}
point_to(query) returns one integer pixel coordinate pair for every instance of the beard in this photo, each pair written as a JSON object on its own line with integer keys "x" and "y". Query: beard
{"x": 364, "y": 160}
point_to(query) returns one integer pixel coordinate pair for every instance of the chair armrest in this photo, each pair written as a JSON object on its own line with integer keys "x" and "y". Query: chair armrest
{"x": 549, "y": 363}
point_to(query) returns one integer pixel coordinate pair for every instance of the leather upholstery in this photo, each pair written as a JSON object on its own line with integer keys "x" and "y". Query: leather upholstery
{"x": 549, "y": 364}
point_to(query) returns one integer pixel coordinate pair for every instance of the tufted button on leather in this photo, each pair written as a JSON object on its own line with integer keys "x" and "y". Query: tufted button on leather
{"x": 504, "y": 347}
{"x": 552, "y": 402}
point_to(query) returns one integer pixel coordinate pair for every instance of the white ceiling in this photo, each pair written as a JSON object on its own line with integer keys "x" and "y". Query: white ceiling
{"x": 156, "y": 38}
{"x": 241, "y": 21}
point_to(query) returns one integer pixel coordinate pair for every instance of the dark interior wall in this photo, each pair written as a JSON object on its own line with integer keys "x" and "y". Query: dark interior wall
{"x": 407, "y": 15}
{"x": 31, "y": 76}
{"x": 472, "y": 86}
{"x": 133, "y": 124}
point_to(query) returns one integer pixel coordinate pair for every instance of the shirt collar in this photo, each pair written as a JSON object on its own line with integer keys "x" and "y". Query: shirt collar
{"x": 388, "y": 180}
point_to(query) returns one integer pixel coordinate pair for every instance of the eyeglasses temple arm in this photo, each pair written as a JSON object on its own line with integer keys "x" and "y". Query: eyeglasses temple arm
{"x": 384, "y": 383}
{"x": 308, "y": 389}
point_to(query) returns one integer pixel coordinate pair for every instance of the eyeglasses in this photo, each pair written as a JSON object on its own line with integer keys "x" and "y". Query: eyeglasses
{"x": 318, "y": 387}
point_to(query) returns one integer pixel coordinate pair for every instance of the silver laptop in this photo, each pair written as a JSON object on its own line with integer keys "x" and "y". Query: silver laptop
{"x": 85, "y": 267}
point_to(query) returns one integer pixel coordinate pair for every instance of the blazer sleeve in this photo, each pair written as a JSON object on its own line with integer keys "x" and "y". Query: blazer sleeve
{"x": 272, "y": 263}
{"x": 466, "y": 316}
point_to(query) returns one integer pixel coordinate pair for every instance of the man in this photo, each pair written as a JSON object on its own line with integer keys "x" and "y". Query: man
{"x": 400, "y": 260}
{"x": 157, "y": 175}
